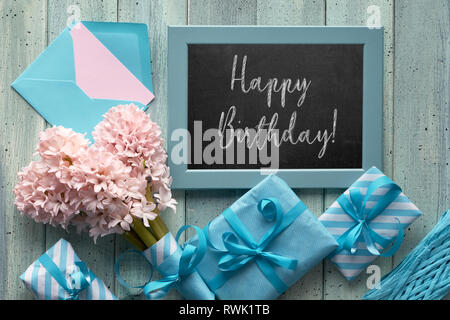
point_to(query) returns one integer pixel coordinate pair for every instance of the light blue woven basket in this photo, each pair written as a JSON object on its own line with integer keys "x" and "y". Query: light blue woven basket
{"x": 424, "y": 274}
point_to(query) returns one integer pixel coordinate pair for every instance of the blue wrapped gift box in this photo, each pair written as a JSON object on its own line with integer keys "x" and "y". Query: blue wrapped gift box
{"x": 166, "y": 256}
{"x": 264, "y": 243}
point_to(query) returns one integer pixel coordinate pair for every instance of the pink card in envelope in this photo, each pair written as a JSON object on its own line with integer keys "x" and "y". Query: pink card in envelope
{"x": 89, "y": 68}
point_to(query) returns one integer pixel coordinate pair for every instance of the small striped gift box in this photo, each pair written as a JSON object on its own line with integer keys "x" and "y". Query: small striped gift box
{"x": 165, "y": 256}
{"x": 399, "y": 214}
{"x": 66, "y": 263}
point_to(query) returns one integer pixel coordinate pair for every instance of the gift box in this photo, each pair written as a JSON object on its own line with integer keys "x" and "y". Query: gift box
{"x": 60, "y": 275}
{"x": 177, "y": 266}
{"x": 262, "y": 244}
{"x": 366, "y": 219}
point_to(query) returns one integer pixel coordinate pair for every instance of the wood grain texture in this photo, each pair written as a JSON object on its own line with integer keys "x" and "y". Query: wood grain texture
{"x": 217, "y": 12}
{"x": 416, "y": 121}
{"x": 290, "y": 12}
{"x": 157, "y": 15}
{"x": 356, "y": 13}
{"x": 23, "y": 37}
{"x": 299, "y": 12}
{"x": 421, "y": 111}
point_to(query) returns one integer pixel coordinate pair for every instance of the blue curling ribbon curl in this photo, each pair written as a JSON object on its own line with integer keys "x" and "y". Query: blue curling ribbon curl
{"x": 355, "y": 207}
{"x": 238, "y": 254}
{"x": 80, "y": 279}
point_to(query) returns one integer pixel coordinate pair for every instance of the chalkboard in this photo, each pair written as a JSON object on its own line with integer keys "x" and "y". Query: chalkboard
{"x": 291, "y": 106}
{"x": 305, "y": 103}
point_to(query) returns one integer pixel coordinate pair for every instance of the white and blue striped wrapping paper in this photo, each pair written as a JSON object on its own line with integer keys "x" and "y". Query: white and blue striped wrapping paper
{"x": 161, "y": 250}
{"x": 337, "y": 221}
{"x": 165, "y": 256}
{"x": 45, "y": 287}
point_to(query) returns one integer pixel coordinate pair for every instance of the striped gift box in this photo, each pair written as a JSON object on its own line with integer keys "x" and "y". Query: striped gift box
{"x": 165, "y": 256}
{"x": 337, "y": 221}
{"x": 162, "y": 249}
{"x": 45, "y": 287}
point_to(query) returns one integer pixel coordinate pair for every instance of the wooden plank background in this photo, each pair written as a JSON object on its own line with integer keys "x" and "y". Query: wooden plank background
{"x": 416, "y": 120}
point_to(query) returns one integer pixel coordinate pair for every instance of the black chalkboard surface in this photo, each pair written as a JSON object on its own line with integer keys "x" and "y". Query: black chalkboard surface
{"x": 304, "y": 99}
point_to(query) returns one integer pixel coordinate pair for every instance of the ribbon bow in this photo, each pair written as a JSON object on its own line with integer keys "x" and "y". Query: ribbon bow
{"x": 356, "y": 207}
{"x": 80, "y": 279}
{"x": 236, "y": 255}
{"x": 190, "y": 258}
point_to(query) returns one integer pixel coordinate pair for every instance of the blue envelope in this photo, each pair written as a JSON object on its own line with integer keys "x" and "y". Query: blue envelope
{"x": 89, "y": 68}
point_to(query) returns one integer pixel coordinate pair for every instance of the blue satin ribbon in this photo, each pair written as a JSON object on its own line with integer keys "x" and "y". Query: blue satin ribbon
{"x": 80, "y": 279}
{"x": 117, "y": 269}
{"x": 190, "y": 258}
{"x": 238, "y": 254}
{"x": 355, "y": 207}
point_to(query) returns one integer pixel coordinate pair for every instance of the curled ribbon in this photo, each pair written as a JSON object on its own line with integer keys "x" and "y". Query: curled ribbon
{"x": 356, "y": 207}
{"x": 117, "y": 269}
{"x": 237, "y": 254}
{"x": 80, "y": 279}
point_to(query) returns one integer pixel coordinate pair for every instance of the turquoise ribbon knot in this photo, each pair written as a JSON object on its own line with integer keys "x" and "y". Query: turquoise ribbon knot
{"x": 356, "y": 207}
{"x": 238, "y": 254}
{"x": 79, "y": 279}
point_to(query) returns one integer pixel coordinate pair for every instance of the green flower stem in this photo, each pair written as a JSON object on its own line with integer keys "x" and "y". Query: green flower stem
{"x": 158, "y": 226}
{"x": 144, "y": 234}
{"x": 133, "y": 238}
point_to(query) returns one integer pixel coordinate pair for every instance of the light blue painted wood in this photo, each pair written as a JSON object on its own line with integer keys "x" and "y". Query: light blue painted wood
{"x": 356, "y": 13}
{"x": 416, "y": 158}
{"x": 421, "y": 111}
{"x": 23, "y": 37}
{"x": 179, "y": 39}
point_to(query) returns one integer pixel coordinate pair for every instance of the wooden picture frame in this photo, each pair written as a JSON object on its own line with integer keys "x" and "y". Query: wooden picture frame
{"x": 180, "y": 37}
